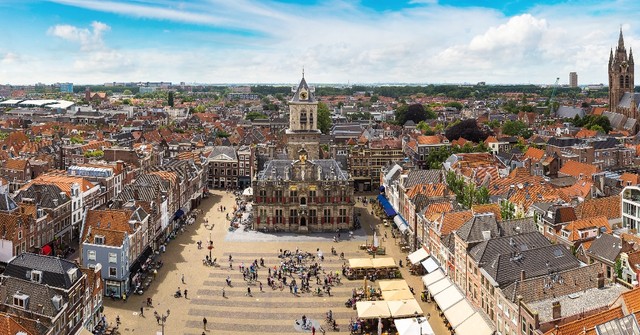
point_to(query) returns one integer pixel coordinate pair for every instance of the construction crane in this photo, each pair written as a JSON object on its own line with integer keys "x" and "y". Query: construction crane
{"x": 553, "y": 95}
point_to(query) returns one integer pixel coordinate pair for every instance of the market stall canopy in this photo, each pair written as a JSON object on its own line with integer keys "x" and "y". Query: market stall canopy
{"x": 404, "y": 308}
{"x": 432, "y": 277}
{"x": 439, "y": 286}
{"x": 372, "y": 309}
{"x": 397, "y": 295}
{"x": 401, "y": 223}
{"x": 248, "y": 192}
{"x": 413, "y": 326}
{"x": 474, "y": 325}
{"x": 381, "y": 263}
{"x": 418, "y": 256}
{"x": 447, "y": 298}
{"x": 360, "y": 263}
{"x": 393, "y": 285}
{"x": 430, "y": 264}
{"x": 386, "y": 205}
{"x": 458, "y": 313}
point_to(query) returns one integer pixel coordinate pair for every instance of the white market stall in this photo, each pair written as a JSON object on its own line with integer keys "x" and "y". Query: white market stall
{"x": 372, "y": 309}
{"x": 413, "y": 326}
{"x": 430, "y": 265}
{"x": 393, "y": 285}
{"x": 459, "y": 312}
{"x": 432, "y": 277}
{"x": 474, "y": 325}
{"x": 418, "y": 256}
{"x": 447, "y": 298}
{"x": 404, "y": 308}
{"x": 439, "y": 286}
{"x": 396, "y": 295}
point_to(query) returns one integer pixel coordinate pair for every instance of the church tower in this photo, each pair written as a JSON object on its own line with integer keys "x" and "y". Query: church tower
{"x": 620, "y": 76}
{"x": 303, "y": 133}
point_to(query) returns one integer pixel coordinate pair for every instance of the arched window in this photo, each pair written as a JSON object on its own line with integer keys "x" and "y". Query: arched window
{"x": 626, "y": 82}
{"x": 303, "y": 201}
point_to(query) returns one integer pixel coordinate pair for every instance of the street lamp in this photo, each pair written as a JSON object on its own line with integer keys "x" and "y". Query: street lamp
{"x": 162, "y": 318}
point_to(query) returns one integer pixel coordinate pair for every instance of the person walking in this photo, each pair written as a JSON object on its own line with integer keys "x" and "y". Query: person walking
{"x": 248, "y": 291}
{"x": 141, "y": 311}
{"x": 223, "y": 294}
{"x": 124, "y": 297}
{"x": 183, "y": 279}
{"x": 204, "y": 323}
{"x": 185, "y": 293}
{"x": 261, "y": 287}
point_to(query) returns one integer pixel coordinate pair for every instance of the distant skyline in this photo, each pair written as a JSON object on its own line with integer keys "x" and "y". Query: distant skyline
{"x": 336, "y": 41}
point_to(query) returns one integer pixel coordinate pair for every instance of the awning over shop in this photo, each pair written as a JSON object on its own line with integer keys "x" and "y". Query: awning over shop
{"x": 46, "y": 250}
{"x": 393, "y": 285}
{"x": 179, "y": 214}
{"x": 418, "y": 256}
{"x": 474, "y": 325}
{"x": 432, "y": 277}
{"x": 430, "y": 264}
{"x": 413, "y": 326}
{"x": 449, "y": 297}
{"x": 386, "y": 205}
{"x": 439, "y": 286}
{"x": 458, "y": 313}
{"x": 372, "y": 309}
{"x": 404, "y": 308}
{"x": 401, "y": 223}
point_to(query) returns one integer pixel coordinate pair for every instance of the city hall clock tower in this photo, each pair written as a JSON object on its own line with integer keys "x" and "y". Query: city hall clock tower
{"x": 303, "y": 133}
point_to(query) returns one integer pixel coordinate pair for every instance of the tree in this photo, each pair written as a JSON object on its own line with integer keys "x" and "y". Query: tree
{"x": 255, "y": 115}
{"x": 425, "y": 128}
{"x": 324, "y": 118}
{"x": 516, "y": 128}
{"x": 170, "y": 99}
{"x": 374, "y": 98}
{"x": 468, "y": 129}
{"x": 455, "y": 105}
{"x": 507, "y": 210}
{"x": 127, "y": 92}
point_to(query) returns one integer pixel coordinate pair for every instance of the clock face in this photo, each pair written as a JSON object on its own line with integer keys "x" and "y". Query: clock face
{"x": 303, "y": 95}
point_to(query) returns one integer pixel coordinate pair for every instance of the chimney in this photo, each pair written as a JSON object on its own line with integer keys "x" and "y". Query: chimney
{"x": 522, "y": 275}
{"x": 556, "y": 310}
{"x": 600, "y": 280}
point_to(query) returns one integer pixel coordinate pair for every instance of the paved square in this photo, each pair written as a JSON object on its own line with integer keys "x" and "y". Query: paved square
{"x": 270, "y": 311}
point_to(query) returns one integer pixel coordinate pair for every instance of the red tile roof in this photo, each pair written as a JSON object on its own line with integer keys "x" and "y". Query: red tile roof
{"x": 586, "y": 326}
{"x": 578, "y": 170}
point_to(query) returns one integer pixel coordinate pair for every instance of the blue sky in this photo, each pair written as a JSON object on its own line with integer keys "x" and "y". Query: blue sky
{"x": 336, "y": 41}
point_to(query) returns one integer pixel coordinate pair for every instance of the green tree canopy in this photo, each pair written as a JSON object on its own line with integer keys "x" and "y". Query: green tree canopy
{"x": 324, "y": 118}
{"x": 467, "y": 129}
{"x": 255, "y": 115}
{"x": 516, "y": 128}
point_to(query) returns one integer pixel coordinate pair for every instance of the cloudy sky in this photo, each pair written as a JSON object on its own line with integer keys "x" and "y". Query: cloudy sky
{"x": 336, "y": 41}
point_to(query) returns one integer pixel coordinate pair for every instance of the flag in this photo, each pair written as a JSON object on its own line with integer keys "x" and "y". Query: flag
{"x": 375, "y": 240}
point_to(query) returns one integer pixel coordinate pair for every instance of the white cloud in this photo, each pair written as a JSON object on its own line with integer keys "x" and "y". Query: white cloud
{"x": 10, "y": 58}
{"x": 89, "y": 39}
{"x": 338, "y": 41}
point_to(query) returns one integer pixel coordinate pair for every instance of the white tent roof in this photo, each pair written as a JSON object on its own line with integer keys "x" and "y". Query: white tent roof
{"x": 418, "y": 256}
{"x": 400, "y": 223}
{"x": 459, "y": 312}
{"x": 411, "y": 326}
{"x": 448, "y": 297}
{"x": 432, "y": 277}
{"x": 380, "y": 263}
{"x": 247, "y": 191}
{"x": 439, "y": 286}
{"x": 392, "y": 285}
{"x": 360, "y": 263}
{"x": 396, "y": 295}
{"x": 404, "y": 308}
{"x": 372, "y": 309}
{"x": 430, "y": 265}
{"x": 475, "y": 325}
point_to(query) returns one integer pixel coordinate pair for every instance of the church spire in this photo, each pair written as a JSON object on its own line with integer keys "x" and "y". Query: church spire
{"x": 630, "y": 56}
{"x": 611, "y": 57}
{"x": 621, "y": 40}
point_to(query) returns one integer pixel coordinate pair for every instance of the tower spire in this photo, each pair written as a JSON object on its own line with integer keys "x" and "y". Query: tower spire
{"x": 302, "y": 71}
{"x": 621, "y": 40}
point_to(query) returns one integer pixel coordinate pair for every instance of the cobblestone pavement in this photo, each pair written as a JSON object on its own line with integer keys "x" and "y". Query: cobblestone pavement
{"x": 270, "y": 311}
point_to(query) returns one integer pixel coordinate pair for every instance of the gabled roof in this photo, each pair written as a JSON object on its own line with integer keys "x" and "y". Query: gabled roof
{"x": 586, "y": 326}
{"x": 578, "y": 169}
{"x": 574, "y": 227}
{"x": 487, "y": 251}
{"x": 112, "y": 224}
{"x": 55, "y": 271}
{"x": 606, "y": 247}
{"x": 452, "y": 221}
{"x": 16, "y": 164}
{"x": 487, "y": 208}
{"x": 607, "y": 206}
{"x": 415, "y": 177}
{"x": 534, "y": 154}
{"x": 472, "y": 230}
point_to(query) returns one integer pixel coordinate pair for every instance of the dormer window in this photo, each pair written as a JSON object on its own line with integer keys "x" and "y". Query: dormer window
{"x": 98, "y": 239}
{"x": 21, "y": 300}
{"x": 73, "y": 274}
{"x": 36, "y": 276}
